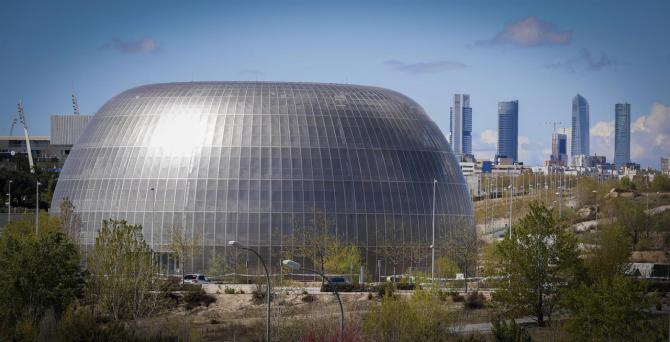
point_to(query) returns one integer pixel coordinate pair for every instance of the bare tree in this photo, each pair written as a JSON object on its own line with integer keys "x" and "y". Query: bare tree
{"x": 70, "y": 220}
{"x": 462, "y": 247}
{"x": 184, "y": 247}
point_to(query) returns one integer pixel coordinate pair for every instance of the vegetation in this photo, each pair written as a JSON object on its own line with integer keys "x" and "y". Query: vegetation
{"x": 512, "y": 332}
{"x": 462, "y": 246}
{"x": 38, "y": 274}
{"x": 421, "y": 317}
{"x": 184, "y": 247}
{"x": 540, "y": 257}
{"x": 123, "y": 273}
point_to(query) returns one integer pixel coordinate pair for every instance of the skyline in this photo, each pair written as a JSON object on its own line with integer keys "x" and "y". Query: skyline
{"x": 541, "y": 54}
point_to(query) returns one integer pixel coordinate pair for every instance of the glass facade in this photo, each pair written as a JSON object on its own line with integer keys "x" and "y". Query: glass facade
{"x": 251, "y": 161}
{"x": 508, "y": 130}
{"x": 580, "y": 127}
{"x": 621, "y": 134}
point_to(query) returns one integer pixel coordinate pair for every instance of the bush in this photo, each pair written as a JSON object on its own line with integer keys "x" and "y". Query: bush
{"x": 475, "y": 300}
{"x": 194, "y": 299}
{"x": 442, "y": 295}
{"x": 457, "y": 297}
{"x": 384, "y": 290}
{"x": 259, "y": 293}
{"x": 406, "y": 286}
{"x": 512, "y": 332}
{"x": 229, "y": 290}
{"x": 420, "y": 318}
{"x": 308, "y": 298}
{"x": 325, "y": 287}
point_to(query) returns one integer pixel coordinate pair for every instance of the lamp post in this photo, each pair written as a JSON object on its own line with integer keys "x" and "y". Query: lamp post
{"x": 296, "y": 266}
{"x": 9, "y": 201}
{"x": 511, "y": 193}
{"x": 432, "y": 246}
{"x": 595, "y": 196}
{"x": 153, "y": 219}
{"x": 238, "y": 245}
{"x": 560, "y": 204}
{"x": 37, "y": 208}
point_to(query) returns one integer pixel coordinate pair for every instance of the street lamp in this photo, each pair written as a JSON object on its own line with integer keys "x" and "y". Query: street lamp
{"x": 432, "y": 246}
{"x": 238, "y": 245}
{"x": 595, "y": 196}
{"x": 9, "y": 201}
{"x": 560, "y": 204}
{"x": 37, "y": 208}
{"x": 296, "y": 266}
{"x": 511, "y": 193}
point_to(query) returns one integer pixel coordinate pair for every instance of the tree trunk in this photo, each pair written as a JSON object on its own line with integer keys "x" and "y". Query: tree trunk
{"x": 540, "y": 311}
{"x": 465, "y": 277}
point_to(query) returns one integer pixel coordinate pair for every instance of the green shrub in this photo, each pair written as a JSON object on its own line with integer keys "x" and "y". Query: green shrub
{"x": 193, "y": 299}
{"x": 419, "y": 318}
{"x": 457, "y": 297}
{"x": 474, "y": 300}
{"x": 326, "y": 287}
{"x": 229, "y": 290}
{"x": 384, "y": 290}
{"x": 512, "y": 332}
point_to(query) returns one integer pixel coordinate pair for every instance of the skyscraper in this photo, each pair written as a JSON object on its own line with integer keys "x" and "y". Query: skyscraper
{"x": 461, "y": 125}
{"x": 559, "y": 147}
{"x": 621, "y": 134}
{"x": 508, "y": 129}
{"x": 580, "y": 126}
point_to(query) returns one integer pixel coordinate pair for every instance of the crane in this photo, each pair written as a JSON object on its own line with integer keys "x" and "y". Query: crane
{"x": 22, "y": 119}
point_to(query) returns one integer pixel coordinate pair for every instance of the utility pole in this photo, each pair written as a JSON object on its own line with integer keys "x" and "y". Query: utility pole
{"x": 22, "y": 119}
{"x": 9, "y": 201}
{"x": 37, "y": 209}
{"x": 432, "y": 246}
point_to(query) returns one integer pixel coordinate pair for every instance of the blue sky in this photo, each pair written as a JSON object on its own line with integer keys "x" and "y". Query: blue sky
{"x": 539, "y": 52}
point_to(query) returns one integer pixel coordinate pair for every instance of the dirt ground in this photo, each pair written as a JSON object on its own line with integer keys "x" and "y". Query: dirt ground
{"x": 238, "y": 317}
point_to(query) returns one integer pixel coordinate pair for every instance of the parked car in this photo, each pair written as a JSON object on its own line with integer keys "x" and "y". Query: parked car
{"x": 196, "y": 279}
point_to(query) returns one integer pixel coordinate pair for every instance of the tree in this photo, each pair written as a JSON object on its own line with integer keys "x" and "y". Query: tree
{"x": 462, "y": 246}
{"x": 122, "y": 272}
{"x": 312, "y": 241}
{"x": 342, "y": 259}
{"x": 584, "y": 191}
{"x": 610, "y": 309}
{"x": 610, "y": 254}
{"x": 540, "y": 257}
{"x": 37, "y": 273}
{"x": 70, "y": 220}
{"x": 628, "y": 214}
{"x": 184, "y": 247}
{"x": 661, "y": 182}
{"x": 445, "y": 267}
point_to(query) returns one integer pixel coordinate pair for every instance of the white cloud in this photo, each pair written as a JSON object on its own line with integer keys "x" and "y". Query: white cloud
{"x": 602, "y": 139}
{"x": 144, "y": 45}
{"x": 528, "y": 32}
{"x": 489, "y": 136}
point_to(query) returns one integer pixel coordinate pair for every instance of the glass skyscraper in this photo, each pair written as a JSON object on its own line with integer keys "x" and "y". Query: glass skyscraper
{"x": 559, "y": 147}
{"x": 461, "y": 125}
{"x": 508, "y": 130}
{"x": 621, "y": 134}
{"x": 255, "y": 161}
{"x": 580, "y": 127}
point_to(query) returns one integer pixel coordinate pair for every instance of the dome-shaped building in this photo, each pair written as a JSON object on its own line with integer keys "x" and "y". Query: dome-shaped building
{"x": 253, "y": 161}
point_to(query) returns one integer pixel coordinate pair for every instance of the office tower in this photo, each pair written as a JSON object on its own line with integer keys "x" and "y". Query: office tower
{"x": 461, "y": 125}
{"x": 580, "y": 126}
{"x": 665, "y": 165}
{"x": 508, "y": 129}
{"x": 559, "y": 147}
{"x": 621, "y": 134}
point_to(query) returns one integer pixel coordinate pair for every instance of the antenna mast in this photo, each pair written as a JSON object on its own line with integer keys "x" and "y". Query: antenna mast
{"x": 22, "y": 119}
{"x": 75, "y": 105}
